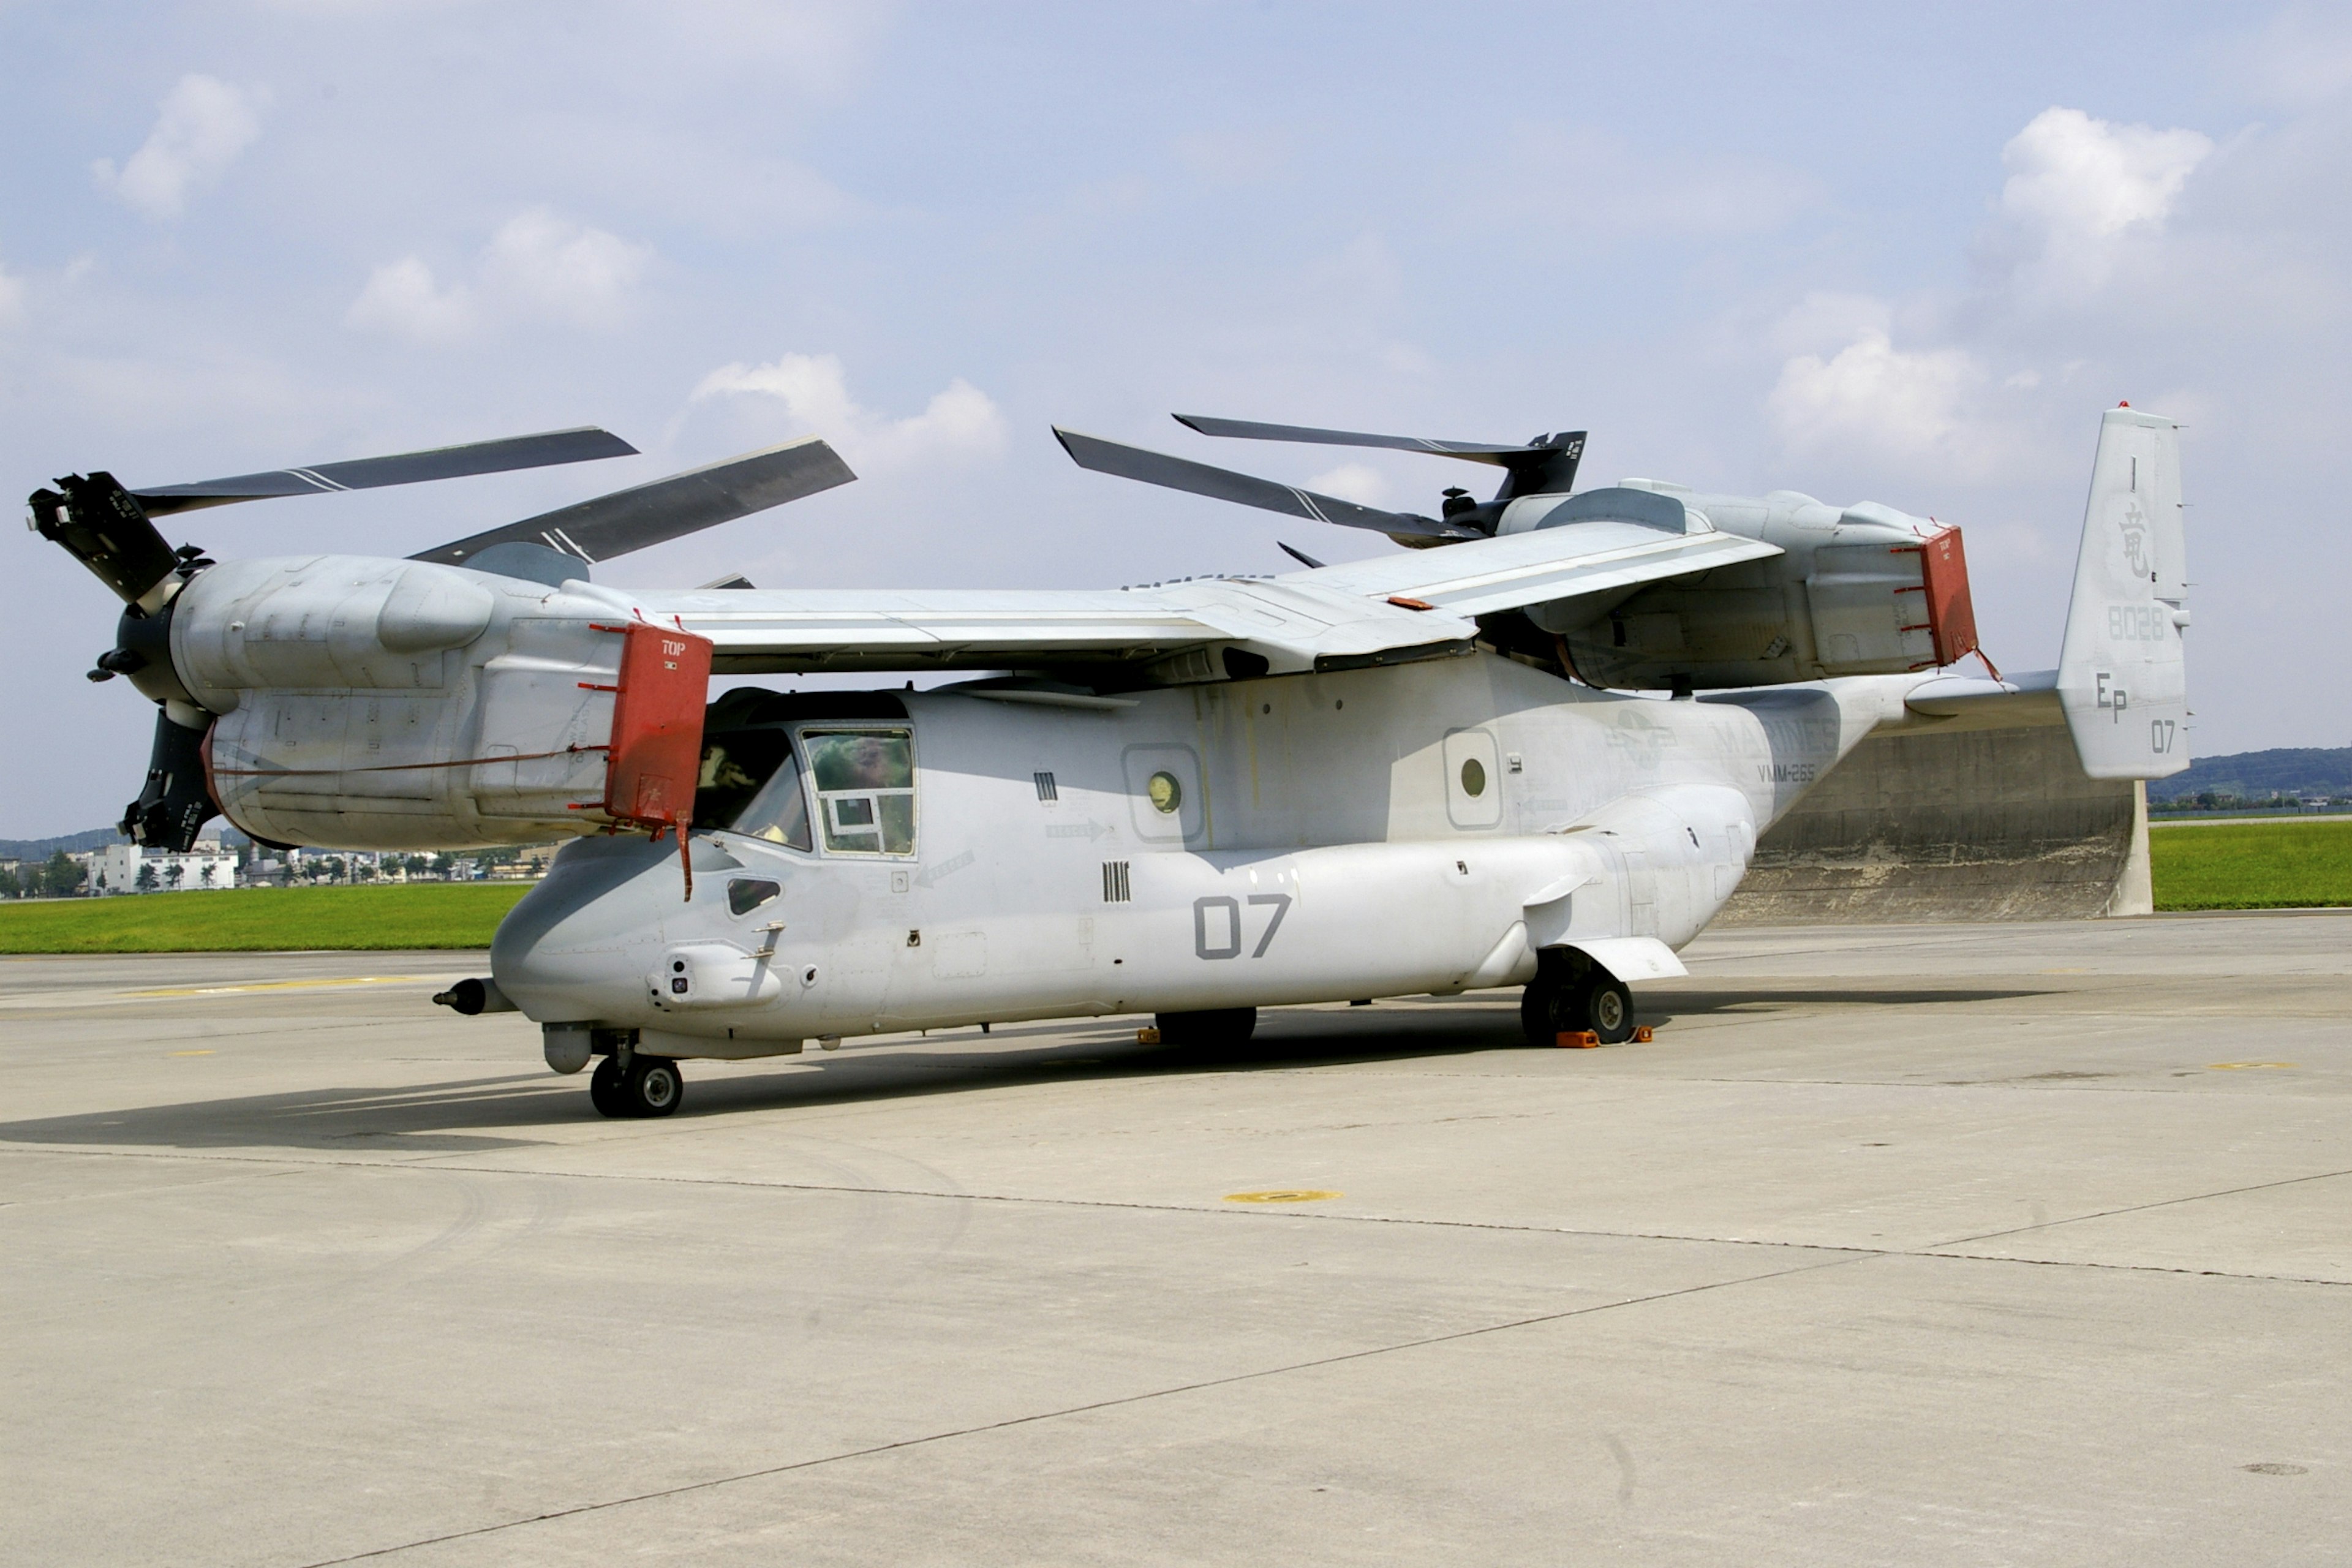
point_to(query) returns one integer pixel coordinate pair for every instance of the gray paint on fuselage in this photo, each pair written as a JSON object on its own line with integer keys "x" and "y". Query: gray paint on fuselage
{"x": 1323, "y": 804}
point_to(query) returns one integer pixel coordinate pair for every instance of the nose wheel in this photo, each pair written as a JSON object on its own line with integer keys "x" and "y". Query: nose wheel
{"x": 648, "y": 1086}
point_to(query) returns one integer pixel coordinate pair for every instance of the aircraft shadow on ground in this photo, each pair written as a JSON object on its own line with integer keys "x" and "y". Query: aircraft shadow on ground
{"x": 505, "y": 1111}
{"x": 420, "y": 1118}
{"x": 1663, "y": 1006}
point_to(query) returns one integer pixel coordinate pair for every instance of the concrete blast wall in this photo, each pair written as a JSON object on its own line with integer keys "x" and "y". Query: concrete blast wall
{"x": 1980, "y": 824}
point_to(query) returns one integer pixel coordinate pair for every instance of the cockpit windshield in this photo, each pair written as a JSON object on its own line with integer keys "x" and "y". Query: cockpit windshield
{"x": 750, "y": 783}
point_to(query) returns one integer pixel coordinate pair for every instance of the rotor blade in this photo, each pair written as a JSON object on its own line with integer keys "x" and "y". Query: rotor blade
{"x": 498, "y": 457}
{"x": 1250, "y": 430}
{"x": 683, "y": 503}
{"x": 1299, "y": 555}
{"x": 1222, "y": 484}
{"x": 1546, "y": 465}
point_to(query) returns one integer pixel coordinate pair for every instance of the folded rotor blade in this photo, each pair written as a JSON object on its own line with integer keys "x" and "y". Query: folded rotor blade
{"x": 1546, "y": 465}
{"x": 541, "y": 452}
{"x": 1250, "y": 430}
{"x": 103, "y": 527}
{"x": 681, "y": 504}
{"x": 1222, "y": 484}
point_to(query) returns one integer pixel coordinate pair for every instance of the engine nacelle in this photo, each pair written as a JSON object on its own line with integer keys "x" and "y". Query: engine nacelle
{"x": 373, "y": 704}
{"x": 1864, "y": 590}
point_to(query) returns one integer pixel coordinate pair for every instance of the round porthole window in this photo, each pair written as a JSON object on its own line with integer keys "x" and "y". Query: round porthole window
{"x": 1166, "y": 794}
{"x": 1474, "y": 777}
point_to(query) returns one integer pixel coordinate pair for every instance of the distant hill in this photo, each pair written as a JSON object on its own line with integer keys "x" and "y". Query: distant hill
{"x": 97, "y": 838}
{"x": 72, "y": 843}
{"x": 2258, "y": 776}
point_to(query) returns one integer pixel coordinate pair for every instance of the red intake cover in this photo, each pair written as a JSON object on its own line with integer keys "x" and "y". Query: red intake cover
{"x": 1951, "y": 613}
{"x": 656, "y": 752}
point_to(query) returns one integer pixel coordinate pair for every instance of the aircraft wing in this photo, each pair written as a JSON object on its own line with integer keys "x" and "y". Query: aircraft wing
{"x": 1390, "y": 609}
{"x": 1293, "y": 627}
{"x": 1485, "y": 575}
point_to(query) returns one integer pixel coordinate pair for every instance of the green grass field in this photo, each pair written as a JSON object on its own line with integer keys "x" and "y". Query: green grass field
{"x": 418, "y": 915}
{"x": 2278, "y": 864}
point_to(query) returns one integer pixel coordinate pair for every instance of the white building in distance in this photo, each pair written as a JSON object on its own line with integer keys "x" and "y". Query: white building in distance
{"x": 117, "y": 868}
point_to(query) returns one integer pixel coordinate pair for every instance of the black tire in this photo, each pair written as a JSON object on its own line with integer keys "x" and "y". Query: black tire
{"x": 653, "y": 1087}
{"x": 1550, "y": 1007}
{"x": 1217, "y": 1028}
{"x": 1608, "y": 1009}
{"x": 604, "y": 1088}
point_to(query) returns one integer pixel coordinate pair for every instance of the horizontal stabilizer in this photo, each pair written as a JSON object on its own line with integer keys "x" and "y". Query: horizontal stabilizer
{"x": 1975, "y": 702}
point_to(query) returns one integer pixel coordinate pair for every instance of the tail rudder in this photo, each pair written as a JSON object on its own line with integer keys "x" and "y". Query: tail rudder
{"x": 2122, "y": 674}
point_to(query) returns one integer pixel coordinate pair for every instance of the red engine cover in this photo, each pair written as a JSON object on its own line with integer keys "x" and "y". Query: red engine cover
{"x": 656, "y": 750}
{"x": 1951, "y": 613}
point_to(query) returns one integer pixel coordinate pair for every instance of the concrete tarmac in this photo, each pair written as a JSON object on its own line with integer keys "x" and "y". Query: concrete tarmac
{"x": 2026, "y": 1243}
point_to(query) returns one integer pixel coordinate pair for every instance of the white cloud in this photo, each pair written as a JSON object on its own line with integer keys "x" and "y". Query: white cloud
{"x": 401, "y": 296}
{"x": 1827, "y": 318}
{"x": 1358, "y": 482}
{"x": 203, "y": 124}
{"x": 538, "y": 267}
{"x": 2078, "y": 188}
{"x": 12, "y": 299}
{"x": 959, "y": 421}
{"x": 1905, "y": 386}
{"x": 560, "y": 270}
{"x": 1872, "y": 397}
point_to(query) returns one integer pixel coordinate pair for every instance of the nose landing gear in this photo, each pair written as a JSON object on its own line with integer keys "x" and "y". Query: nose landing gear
{"x": 635, "y": 1086}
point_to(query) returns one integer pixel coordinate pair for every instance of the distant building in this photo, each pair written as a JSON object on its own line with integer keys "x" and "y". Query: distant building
{"x": 130, "y": 868}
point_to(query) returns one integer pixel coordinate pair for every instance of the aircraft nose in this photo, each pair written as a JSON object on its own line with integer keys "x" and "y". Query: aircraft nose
{"x": 579, "y": 944}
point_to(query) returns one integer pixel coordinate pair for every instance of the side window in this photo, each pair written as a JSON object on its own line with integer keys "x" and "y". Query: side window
{"x": 865, "y": 789}
{"x": 776, "y": 810}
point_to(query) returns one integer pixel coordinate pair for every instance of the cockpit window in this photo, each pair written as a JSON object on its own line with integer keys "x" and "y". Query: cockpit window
{"x": 745, "y": 894}
{"x": 779, "y": 812}
{"x": 865, "y": 789}
{"x": 750, "y": 783}
{"x": 734, "y": 765}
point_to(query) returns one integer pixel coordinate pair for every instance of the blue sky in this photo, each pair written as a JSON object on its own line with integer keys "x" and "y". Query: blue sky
{"x": 1893, "y": 253}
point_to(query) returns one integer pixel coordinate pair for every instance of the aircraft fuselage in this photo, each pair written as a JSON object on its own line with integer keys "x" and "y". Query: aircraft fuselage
{"x": 1421, "y": 828}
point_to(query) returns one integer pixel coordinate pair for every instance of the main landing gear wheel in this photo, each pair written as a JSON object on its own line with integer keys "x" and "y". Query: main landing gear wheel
{"x": 1221, "y": 1028}
{"x": 1608, "y": 1008}
{"x": 1549, "y": 1008}
{"x": 650, "y": 1086}
{"x": 604, "y": 1088}
{"x": 1560, "y": 1002}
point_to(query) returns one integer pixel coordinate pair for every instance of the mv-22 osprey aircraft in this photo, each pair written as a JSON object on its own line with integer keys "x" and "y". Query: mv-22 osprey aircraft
{"x": 1535, "y": 750}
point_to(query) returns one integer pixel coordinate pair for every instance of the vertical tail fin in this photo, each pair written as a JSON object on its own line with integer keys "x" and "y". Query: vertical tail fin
{"x": 2122, "y": 676}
